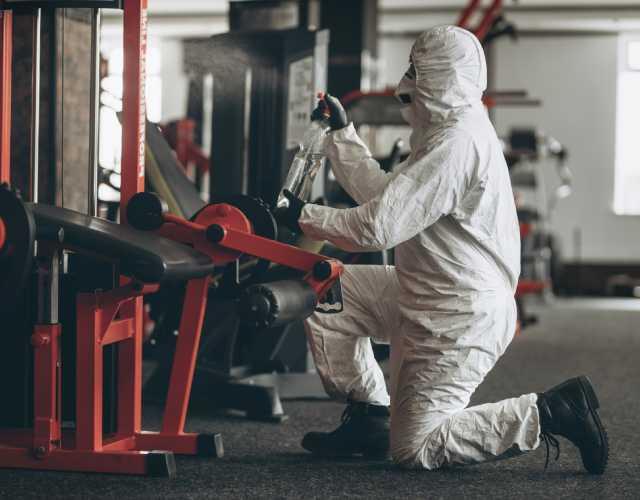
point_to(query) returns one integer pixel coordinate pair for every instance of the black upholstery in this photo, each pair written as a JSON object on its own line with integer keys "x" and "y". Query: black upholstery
{"x": 141, "y": 255}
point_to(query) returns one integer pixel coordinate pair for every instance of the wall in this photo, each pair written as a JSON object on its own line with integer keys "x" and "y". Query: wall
{"x": 575, "y": 77}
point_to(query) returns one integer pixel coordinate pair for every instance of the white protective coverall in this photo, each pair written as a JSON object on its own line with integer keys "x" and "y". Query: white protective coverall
{"x": 447, "y": 307}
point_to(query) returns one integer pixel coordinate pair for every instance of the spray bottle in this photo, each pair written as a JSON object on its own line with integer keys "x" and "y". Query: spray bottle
{"x": 309, "y": 159}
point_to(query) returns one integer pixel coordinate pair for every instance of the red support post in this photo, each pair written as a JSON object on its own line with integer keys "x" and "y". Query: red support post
{"x": 130, "y": 374}
{"x": 6, "y": 48}
{"x": 489, "y": 17}
{"x": 133, "y": 101}
{"x": 46, "y": 427}
{"x": 490, "y": 14}
{"x": 466, "y": 14}
{"x": 89, "y": 373}
{"x": 132, "y": 171}
{"x": 184, "y": 359}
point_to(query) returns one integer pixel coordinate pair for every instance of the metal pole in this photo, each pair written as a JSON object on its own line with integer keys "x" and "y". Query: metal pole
{"x": 35, "y": 107}
{"x": 6, "y": 51}
{"x": 133, "y": 101}
{"x": 94, "y": 118}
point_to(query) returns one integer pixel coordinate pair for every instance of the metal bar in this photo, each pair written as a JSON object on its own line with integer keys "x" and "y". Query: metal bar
{"x": 46, "y": 429}
{"x": 89, "y": 374}
{"x": 94, "y": 110}
{"x": 34, "y": 152}
{"x": 115, "y": 462}
{"x": 132, "y": 175}
{"x": 248, "y": 83}
{"x": 489, "y": 16}
{"x": 130, "y": 384}
{"x": 133, "y": 101}
{"x": 6, "y": 50}
{"x": 184, "y": 360}
{"x": 271, "y": 250}
{"x": 48, "y": 285}
{"x": 466, "y": 14}
{"x": 130, "y": 374}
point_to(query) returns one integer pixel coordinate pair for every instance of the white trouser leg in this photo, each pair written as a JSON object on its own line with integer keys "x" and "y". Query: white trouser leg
{"x": 436, "y": 374}
{"x": 341, "y": 342}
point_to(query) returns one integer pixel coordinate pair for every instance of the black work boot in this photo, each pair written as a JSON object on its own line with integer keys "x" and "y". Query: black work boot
{"x": 364, "y": 431}
{"x": 569, "y": 410}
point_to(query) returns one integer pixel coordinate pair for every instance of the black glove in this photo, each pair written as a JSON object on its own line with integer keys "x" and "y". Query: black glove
{"x": 288, "y": 216}
{"x": 337, "y": 115}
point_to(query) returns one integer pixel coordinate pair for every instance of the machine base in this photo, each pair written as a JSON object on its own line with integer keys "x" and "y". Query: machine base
{"x": 146, "y": 453}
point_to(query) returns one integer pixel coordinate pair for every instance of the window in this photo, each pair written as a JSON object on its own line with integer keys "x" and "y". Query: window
{"x": 627, "y": 173}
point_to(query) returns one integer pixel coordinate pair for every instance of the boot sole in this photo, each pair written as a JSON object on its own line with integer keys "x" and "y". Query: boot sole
{"x": 594, "y": 404}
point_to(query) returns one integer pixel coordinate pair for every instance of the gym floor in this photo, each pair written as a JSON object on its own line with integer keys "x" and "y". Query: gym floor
{"x": 600, "y": 338}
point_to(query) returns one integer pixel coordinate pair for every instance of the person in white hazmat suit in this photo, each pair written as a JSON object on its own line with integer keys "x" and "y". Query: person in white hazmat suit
{"x": 447, "y": 307}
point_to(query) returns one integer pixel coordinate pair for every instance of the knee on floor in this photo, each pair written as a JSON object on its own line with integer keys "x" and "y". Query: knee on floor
{"x": 417, "y": 452}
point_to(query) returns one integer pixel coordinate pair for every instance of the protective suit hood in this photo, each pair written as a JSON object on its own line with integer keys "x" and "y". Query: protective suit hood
{"x": 450, "y": 74}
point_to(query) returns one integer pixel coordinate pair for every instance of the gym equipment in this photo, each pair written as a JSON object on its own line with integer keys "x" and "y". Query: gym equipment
{"x": 224, "y": 232}
{"x": 262, "y": 101}
{"x": 217, "y": 236}
{"x": 541, "y": 262}
{"x": 246, "y": 368}
{"x": 180, "y": 134}
{"x": 104, "y": 318}
{"x": 528, "y": 153}
{"x": 108, "y": 327}
{"x": 491, "y": 23}
{"x": 40, "y": 443}
{"x": 234, "y": 370}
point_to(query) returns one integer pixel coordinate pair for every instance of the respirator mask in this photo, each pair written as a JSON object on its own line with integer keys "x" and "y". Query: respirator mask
{"x": 405, "y": 94}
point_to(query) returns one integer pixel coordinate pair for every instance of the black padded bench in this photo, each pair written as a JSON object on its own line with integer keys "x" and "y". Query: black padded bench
{"x": 144, "y": 256}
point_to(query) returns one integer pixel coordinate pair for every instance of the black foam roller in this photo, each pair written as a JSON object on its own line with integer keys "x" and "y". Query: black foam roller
{"x": 273, "y": 304}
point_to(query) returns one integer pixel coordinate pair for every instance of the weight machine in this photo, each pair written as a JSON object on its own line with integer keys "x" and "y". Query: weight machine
{"x": 148, "y": 248}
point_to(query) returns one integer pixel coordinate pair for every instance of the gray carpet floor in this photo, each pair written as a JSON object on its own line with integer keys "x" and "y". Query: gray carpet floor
{"x": 597, "y": 338}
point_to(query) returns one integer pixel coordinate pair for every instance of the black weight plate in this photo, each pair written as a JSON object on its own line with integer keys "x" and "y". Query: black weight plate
{"x": 145, "y": 210}
{"x": 16, "y": 254}
{"x": 261, "y": 219}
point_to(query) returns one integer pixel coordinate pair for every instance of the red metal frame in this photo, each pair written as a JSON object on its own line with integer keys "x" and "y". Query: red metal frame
{"x": 6, "y": 48}
{"x": 180, "y": 136}
{"x": 237, "y": 239}
{"x": 105, "y": 318}
{"x": 528, "y": 287}
{"x": 489, "y": 16}
{"x": 133, "y": 101}
{"x": 115, "y": 317}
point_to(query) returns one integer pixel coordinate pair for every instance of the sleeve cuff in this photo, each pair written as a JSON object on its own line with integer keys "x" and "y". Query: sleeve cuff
{"x": 343, "y": 133}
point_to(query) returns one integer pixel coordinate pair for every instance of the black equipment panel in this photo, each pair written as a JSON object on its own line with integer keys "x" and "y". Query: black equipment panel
{"x": 16, "y": 253}
{"x": 56, "y": 4}
{"x": 264, "y": 89}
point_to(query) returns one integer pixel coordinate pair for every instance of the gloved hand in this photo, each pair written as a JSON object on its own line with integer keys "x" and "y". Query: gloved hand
{"x": 337, "y": 115}
{"x": 288, "y": 216}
